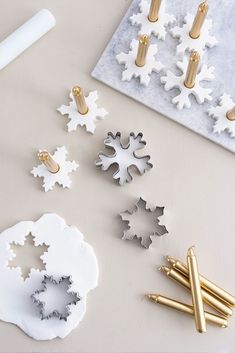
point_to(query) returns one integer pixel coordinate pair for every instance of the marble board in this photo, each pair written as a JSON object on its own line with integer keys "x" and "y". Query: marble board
{"x": 154, "y": 96}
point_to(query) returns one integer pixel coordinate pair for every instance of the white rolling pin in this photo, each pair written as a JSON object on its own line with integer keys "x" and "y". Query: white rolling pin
{"x": 25, "y": 36}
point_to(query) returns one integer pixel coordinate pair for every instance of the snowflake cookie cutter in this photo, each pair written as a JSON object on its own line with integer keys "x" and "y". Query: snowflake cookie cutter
{"x": 124, "y": 156}
{"x": 224, "y": 115}
{"x": 201, "y": 94}
{"x": 155, "y": 213}
{"x": 42, "y": 305}
{"x": 54, "y": 169}
{"x": 82, "y": 110}
{"x": 138, "y": 48}
{"x": 187, "y": 42}
{"x": 156, "y": 27}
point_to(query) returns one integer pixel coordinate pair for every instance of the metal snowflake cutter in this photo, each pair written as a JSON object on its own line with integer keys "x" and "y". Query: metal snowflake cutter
{"x": 124, "y": 156}
{"x": 154, "y": 228}
{"x": 147, "y": 27}
{"x": 74, "y": 298}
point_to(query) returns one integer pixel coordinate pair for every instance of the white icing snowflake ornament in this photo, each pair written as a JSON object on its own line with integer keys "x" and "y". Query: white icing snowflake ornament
{"x": 201, "y": 94}
{"x": 71, "y": 271}
{"x": 157, "y": 28}
{"x": 187, "y": 43}
{"x": 133, "y": 70}
{"x": 220, "y": 114}
{"x": 124, "y": 156}
{"x": 87, "y": 117}
{"x": 54, "y": 169}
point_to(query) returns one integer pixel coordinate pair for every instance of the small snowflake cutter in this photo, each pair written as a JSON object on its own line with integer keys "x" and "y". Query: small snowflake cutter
{"x": 55, "y": 313}
{"x": 124, "y": 156}
{"x": 155, "y": 213}
{"x": 61, "y": 176}
{"x": 87, "y": 119}
{"x": 220, "y": 114}
{"x": 201, "y": 94}
{"x": 156, "y": 28}
{"x": 133, "y": 70}
{"x": 187, "y": 43}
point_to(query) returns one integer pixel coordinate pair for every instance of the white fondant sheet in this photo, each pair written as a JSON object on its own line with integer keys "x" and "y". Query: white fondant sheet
{"x": 221, "y": 57}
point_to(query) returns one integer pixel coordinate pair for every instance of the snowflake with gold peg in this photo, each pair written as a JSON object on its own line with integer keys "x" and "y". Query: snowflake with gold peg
{"x": 152, "y": 18}
{"x": 82, "y": 110}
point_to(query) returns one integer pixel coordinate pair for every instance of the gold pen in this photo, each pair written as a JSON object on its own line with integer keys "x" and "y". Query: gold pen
{"x": 187, "y": 309}
{"x": 154, "y": 10}
{"x": 144, "y": 43}
{"x": 199, "y": 20}
{"x": 211, "y": 287}
{"x": 195, "y": 287}
{"x": 48, "y": 161}
{"x": 80, "y": 100}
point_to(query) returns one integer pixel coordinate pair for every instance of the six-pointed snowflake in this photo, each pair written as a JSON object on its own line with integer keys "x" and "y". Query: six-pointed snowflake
{"x": 222, "y": 123}
{"x": 143, "y": 72}
{"x": 46, "y": 302}
{"x": 147, "y": 27}
{"x": 201, "y": 94}
{"x": 188, "y": 43}
{"x": 145, "y": 233}
{"x": 124, "y": 156}
{"x": 88, "y": 120}
{"x": 62, "y": 176}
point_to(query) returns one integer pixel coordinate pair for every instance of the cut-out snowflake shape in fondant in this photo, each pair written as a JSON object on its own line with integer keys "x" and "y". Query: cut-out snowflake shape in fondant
{"x": 201, "y": 94}
{"x": 143, "y": 72}
{"x": 189, "y": 44}
{"x": 153, "y": 227}
{"x": 147, "y": 27}
{"x": 62, "y": 176}
{"x": 222, "y": 123}
{"x": 124, "y": 156}
{"x": 50, "y": 310}
{"x": 88, "y": 120}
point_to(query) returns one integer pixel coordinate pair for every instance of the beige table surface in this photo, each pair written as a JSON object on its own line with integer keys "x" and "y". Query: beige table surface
{"x": 192, "y": 177}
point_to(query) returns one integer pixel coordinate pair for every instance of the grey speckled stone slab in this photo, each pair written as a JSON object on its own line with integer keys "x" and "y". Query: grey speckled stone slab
{"x": 221, "y": 57}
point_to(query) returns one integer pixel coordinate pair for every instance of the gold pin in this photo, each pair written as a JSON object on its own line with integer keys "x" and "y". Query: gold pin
{"x": 80, "y": 100}
{"x": 207, "y": 297}
{"x": 144, "y": 42}
{"x": 191, "y": 73}
{"x": 231, "y": 114}
{"x": 187, "y": 309}
{"x": 48, "y": 161}
{"x": 199, "y": 20}
{"x": 154, "y": 10}
{"x": 198, "y": 307}
{"x": 209, "y": 286}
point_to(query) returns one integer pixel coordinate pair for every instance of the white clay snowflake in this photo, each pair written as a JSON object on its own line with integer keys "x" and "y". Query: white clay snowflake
{"x": 222, "y": 123}
{"x": 143, "y": 72}
{"x": 189, "y": 44}
{"x": 88, "y": 120}
{"x": 62, "y": 176}
{"x": 147, "y": 27}
{"x": 201, "y": 94}
{"x": 124, "y": 157}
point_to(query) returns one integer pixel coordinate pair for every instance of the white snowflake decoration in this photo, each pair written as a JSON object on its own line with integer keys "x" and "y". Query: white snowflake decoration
{"x": 188, "y": 43}
{"x": 201, "y": 94}
{"x": 132, "y": 70}
{"x": 147, "y": 27}
{"x": 124, "y": 157}
{"x": 88, "y": 120}
{"x": 222, "y": 123}
{"x": 62, "y": 176}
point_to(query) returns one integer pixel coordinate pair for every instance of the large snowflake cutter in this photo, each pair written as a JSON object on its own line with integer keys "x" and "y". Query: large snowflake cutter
{"x": 143, "y": 72}
{"x": 47, "y": 311}
{"x": 222, "y": 123}
{"x": 187, "y": 43}
{"x": 201, "y": 94}
{"x": 146, "y": 233}
{"x": 124, "y": 156}
{"x": 62, "y": 176}
{"x": 147, "y": 27}
{"x": 88, "y": 120}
